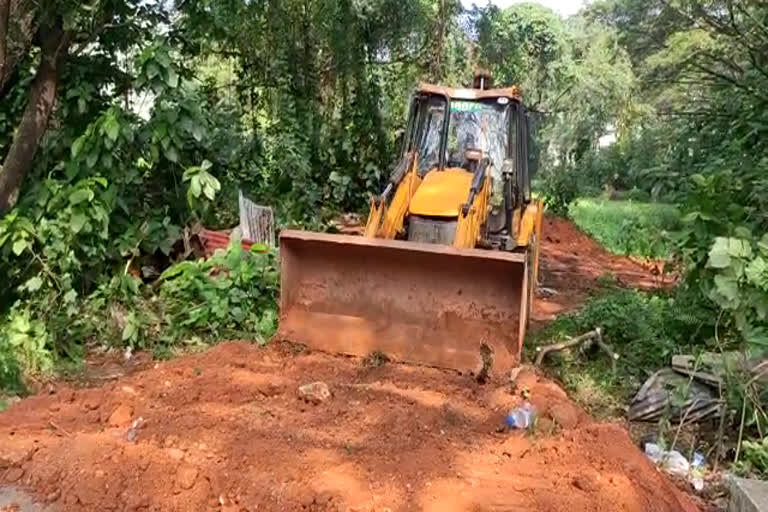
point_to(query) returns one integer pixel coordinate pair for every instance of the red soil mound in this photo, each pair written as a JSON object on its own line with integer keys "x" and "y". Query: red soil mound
{"x": 225, "y": 430}
{"x": 572, "y": 264}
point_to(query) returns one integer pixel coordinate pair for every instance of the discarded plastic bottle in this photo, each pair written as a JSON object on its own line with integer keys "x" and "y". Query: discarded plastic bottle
{"x": 521, "y": 417}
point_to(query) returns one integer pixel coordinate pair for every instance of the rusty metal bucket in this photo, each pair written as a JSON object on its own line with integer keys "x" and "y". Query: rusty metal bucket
{"x": 420, "y": 303}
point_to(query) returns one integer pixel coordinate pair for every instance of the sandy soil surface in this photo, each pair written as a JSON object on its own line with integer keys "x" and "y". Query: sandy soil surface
{"x": 227, "y": 430}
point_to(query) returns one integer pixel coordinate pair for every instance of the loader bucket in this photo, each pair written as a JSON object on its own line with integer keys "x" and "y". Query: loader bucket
{"x": 421, "y": 303}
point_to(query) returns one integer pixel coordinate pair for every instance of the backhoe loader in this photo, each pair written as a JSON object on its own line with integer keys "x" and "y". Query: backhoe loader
{"x": 446, "y": 270}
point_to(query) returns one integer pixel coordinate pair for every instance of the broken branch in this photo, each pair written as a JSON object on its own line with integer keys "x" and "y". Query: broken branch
{"x": 58, "y": 428}
{"x": 591, "y": 338}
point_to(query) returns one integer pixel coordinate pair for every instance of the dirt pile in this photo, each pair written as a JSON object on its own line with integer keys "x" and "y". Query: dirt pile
{"x": 226, "y": 430}
{"x": 572, "y": 264}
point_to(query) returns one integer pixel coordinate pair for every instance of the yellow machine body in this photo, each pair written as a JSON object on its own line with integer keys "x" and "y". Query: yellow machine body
{"x": 441, "y": 193}
{"x": 463, "y": 304}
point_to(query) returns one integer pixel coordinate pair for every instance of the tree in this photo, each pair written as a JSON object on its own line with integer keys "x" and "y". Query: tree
{"x": 523, "y": 45}
{"x": 63, "y": 31}
{"x": 54, "y": 44}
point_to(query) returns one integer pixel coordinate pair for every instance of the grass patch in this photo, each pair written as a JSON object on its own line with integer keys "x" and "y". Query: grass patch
{"x": 628, "y": 227}
{"x": 645, "y": 329}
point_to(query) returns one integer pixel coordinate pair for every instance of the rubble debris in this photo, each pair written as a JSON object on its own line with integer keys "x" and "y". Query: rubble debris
{"x": 675, "y": 463}
{"x": 121, "y": 416}
{"x": 671, "y": 394}
{"x": 316, "y": 392}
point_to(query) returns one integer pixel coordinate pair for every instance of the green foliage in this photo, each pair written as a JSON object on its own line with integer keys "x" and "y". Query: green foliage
{"x": 114, "y": 193}
{"x": 322, "y": 88}
{"x": 577, "y": 80}
{"x": 27, "y": 339}
{"x": 202, "y": 185}
{"x": 722, "y": 246}
{"x": 646, "y": 329}
{"x": 695, "y": 134}
{"x": 628, "y": 227}
{"x": 232, "y": 293}
{"x": 523, "y": 45}
{"x": 631, "y": 320}
{"x": 558, "y": 190}
{"x": 10, "y": 371}
{"x": 740, "y": 286}
{"x": 755, "y": 460}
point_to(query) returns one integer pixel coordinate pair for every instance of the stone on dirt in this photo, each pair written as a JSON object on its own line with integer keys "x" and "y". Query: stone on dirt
{"x": 564, "y": 415}
{"x": 175, "y": 453}
{"x": 53, "y": 495}
{"x": 90, "y": 404}
{"x": 121, "y": 417}
{"x": 587, "y": 482}
{"x": 14, "y": 474}
{"x": 316, "y": 392}
{"x": 186, "y": 476}
{"x": 545, "y": 425}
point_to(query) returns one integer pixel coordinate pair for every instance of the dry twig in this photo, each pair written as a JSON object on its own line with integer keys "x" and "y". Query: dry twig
{"x": 588, "y": 339}
{"x": 59, "y": 429}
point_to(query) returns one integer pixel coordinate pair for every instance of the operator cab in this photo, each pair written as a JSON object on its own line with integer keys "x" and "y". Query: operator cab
{"x": 457, "y": 135}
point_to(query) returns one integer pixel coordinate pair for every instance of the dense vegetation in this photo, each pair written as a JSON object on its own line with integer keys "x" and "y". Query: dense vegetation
{"x": 124, "y": 123}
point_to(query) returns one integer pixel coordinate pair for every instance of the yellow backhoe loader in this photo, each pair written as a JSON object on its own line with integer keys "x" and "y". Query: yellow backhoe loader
{"x": 446, "y": 270}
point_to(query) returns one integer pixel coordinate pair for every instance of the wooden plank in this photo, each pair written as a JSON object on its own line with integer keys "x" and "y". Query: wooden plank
{"x": 257, "y": 222}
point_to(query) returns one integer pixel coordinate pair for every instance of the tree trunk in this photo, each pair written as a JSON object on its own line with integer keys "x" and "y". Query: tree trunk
{"x": 14, "y": 46}
{"x": 5, "y": 14}
{"x": 54, "y": 44}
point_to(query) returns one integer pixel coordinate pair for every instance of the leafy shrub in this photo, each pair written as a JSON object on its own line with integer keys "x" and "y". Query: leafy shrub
{"x": 646, "y": 329}
{"x": 27, "y": 337}
{"x": 10, "y": 372}
{"x": 637, "y": 194}
{"x": 723, "y": 246}
{"x": 631, "y": 320}
{"x": 232, "y": 293}
{"x": 559, "y": 189}
{"x": 740, "y": 286}
{"x": 24, "y": 348}
{"x": 628, "y": 227}
{"x": 755, "y": 461}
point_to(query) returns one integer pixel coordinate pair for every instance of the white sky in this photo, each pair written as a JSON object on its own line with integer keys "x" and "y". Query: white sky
{"x": 564, "y": 7}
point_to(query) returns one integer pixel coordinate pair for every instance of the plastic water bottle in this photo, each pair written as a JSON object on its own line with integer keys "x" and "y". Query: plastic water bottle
{"x": 521, "y": 417}
{"x": 698, "y": 467}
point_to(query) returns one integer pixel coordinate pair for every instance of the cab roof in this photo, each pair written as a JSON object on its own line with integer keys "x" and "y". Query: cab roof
{"x": 513, "y": 93}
